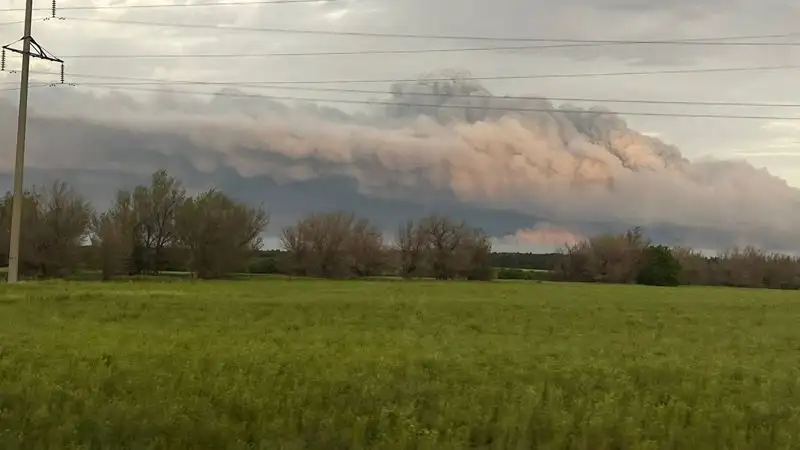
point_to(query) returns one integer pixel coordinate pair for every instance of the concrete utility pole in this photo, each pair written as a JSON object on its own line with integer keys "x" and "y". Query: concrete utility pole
{"x": 19, "y": 160}
{"x": 19, "y": 163}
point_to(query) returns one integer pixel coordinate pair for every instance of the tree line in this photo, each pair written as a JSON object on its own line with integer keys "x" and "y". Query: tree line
{"x": 156, "y": 228}
{"x": 506, "y": 265}
{"x": 159, "y": 227}
{"x": 145, "y": 230}
{"x": 528, "y": 261}
{"x": 341, "y": 245}
{"x": 625, "y": 258}
{"x": 631, "y": 258}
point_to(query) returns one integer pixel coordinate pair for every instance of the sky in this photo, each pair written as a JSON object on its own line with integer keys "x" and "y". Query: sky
{"x": 93, "y": 118}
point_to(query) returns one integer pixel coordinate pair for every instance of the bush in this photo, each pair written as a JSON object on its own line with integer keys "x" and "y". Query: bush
{"x": 660, "y": 267}
{"x": 513, "y": 274}
{"x": 263, "y": 266}
{"x": 527, "y": 275}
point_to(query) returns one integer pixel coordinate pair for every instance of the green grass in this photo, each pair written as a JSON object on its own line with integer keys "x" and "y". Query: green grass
{"x": 282, "y": 364}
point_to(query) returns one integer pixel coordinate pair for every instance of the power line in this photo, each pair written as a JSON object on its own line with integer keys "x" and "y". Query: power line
{"x": 464, "y": 96}
{"x": 471, "y": 107}
{"x": 413, "y": 80}
{"x": 16, "y": 88}
{"x": 363, "y": 52}
{"x": 138, "y": 81}
{"x": 497, "y": 97}
{"x": 404, "y": 51}
{"x": 173, "y": 5}
{"x": 332, "y": 53}
{"x": 705, "y": 42}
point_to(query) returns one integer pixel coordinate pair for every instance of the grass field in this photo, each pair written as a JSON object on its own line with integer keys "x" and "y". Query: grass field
{"x": 282, "y": 364}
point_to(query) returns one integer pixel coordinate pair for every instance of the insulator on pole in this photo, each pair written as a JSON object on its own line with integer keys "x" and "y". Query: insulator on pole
{"x": 54, "y": 9}
{"x": 62, "y": 73}
{"x": 3, "y": 61}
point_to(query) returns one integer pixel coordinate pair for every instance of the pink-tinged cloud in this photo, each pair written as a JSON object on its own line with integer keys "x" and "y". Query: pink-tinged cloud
{"x": 549, "y": 236}
{"x": 443, "y": 137}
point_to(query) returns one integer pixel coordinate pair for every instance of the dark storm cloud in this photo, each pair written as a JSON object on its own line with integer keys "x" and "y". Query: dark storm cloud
{"x": 506, "y": 172}
{"x": 581, "y": 172}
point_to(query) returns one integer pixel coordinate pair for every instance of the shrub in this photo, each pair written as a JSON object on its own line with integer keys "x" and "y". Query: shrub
{"x": 660, "y": 267}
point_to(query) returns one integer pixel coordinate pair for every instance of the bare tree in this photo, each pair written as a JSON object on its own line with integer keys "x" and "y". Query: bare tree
{"x": 782, "y": 272}
{"x": 695, "y": 268}
{"x": 295, "y": 241}
{"x": 742, "y": 267}
{"x": 440, "y": 247}
{"x": 412, "y": 246}
{"x": 64, "y": 219}
{"x": 445, "y": 238}
{"x": 753, "y": 268}
{"x": 55, "y": 223}
{"x": 317, "y": 245}
{"x": 334, "y": 245}
{"x": 30, "y": 211}
{"x": 219, "y": 234}
{"x": 367, "y": 249}
{"x": 605, "y": 258}
{"x": 476, "y": 255}
{"x": 114, "y": 239}
{"x": 575, "y": 266}
{"x": 616, "y": 259}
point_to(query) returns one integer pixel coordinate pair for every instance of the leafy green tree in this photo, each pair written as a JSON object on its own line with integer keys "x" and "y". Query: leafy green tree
{"x": 660, "y": 267}
{"x": 139, "y": 227}
{"x": 155, "y": 208}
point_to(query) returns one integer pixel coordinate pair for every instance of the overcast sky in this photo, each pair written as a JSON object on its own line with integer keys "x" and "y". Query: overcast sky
{"x": 773, "y": 144}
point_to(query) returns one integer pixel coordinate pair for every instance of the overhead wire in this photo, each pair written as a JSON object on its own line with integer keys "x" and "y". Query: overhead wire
{"x": 173, "y": 5}
{"x": 704, "y": 42}
{"x": 565, "y": 43}
{"x": 156, "y": 82}
{"x": 344, "y": 52}
{"x": 329, "y": 53}
{"x": 446, "y": 106}
{"x": 434, "y": 78}
{"x": 497, "y": 97}
{"x": 562, "y": 43}
{"x": 32, "y": 85}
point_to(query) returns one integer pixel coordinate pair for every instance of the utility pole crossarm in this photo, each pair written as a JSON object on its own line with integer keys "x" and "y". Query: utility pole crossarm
{"x": 36, "y": 51}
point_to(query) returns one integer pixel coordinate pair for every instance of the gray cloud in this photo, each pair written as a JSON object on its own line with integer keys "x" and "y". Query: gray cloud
{"x": 264, "y": 149}
{"x": 582, "y": 172}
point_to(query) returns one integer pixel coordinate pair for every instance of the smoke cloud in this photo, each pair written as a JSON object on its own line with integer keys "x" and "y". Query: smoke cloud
{"x": 545, "y": 236}
{"x": 438, "y": 142}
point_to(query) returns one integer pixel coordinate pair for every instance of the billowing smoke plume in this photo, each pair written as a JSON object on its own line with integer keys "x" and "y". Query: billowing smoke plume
{"x": 543, "y": 236}
{"x": 439, "y": 139}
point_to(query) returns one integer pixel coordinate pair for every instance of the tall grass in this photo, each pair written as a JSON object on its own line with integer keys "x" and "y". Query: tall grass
{"x": 279, "y": 364}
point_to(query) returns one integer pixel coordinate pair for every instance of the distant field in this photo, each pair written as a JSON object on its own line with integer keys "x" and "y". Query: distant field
{"x": 283, "y": 364}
